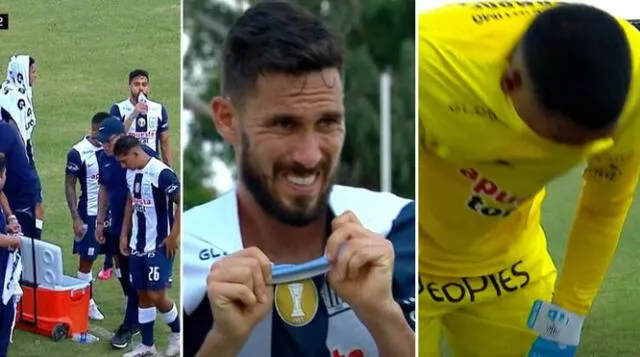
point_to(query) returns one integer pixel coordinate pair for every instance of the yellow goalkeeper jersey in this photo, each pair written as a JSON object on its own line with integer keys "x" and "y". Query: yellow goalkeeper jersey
{"x": 483, "y": 170}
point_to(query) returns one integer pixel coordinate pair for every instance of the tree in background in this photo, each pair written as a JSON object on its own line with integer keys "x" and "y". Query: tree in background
{"x": 379, "y": 36}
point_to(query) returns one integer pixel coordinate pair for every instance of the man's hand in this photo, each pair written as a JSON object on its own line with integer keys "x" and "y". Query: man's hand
{"x": 171, "y": 244}
{"x": 140, "y": 108}
{"x": 559, "y": 330}
{"x": 100, "y": 232}
{"x": 13, "y": 226}
{"x": 240, "y": 294}
{"x": 124, "y": 242}
{"x": 78, "y": 228}
{"x": 362, "y": 266}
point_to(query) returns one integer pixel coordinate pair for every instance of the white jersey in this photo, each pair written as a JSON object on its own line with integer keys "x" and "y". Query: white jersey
{"x": 308, "y": 318}
{"x": 146, "y": 127}
{"x": 152, "y": 189}
{"x": 82, "y": 163}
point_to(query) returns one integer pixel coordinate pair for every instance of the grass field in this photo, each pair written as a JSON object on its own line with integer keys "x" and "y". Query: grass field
{"x": 84, "y": 51}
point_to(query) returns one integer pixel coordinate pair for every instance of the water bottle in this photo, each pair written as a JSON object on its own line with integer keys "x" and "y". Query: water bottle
{"x": 142, "y": 98}
{"x": 84, "y": 338}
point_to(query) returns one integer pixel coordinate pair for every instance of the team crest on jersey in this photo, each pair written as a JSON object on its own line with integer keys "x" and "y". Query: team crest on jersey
{"x": 142, "y": 122}
{"x": 297, "y": 302}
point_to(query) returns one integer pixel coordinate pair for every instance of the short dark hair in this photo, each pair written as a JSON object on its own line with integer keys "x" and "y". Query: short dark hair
{"x": 125, "y": 144}
{"x": 579, "y": 61}
{"x": 137, "y": 73}
{"x": 276, "y": 37}
{"x": 32, "y": 61}
{"x": 99, "y": 117}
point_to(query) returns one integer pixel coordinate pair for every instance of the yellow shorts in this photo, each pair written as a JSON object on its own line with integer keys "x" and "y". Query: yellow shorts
{"x": 483, "y": 316}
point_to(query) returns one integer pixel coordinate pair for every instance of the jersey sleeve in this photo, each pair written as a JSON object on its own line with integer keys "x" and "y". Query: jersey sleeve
{"x": 402, "y": 235}
{"x": 168, "y": 183}
{"x": 74, "y": 163}
{"x": 164, "y": 121}
{"x": 115, "y": 111}
{"x": 609, "y": 183}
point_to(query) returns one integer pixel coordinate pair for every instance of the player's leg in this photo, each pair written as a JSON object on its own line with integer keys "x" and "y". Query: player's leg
{"x": 129, "y": 326}
{"x": 499, "y": 327}
{"x": 141, "y": 273}
{"x": 107, "y": 267}
{"x": 87, "y": 249}
{"x": 158, "y": 292}
{"x": 7, "y": 314}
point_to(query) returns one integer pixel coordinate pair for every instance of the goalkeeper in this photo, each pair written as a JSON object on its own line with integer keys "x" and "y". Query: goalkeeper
{"x": 511, "y": 96}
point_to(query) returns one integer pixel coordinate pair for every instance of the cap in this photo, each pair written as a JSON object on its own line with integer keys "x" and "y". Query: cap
{"x": 108, "y": 128}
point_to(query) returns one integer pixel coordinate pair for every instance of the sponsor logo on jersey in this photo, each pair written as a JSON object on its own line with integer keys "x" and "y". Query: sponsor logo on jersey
{"x": 353, "y": 353}
{"x": 210, "y": 253}
{"x": 468, "y": 289}
{"x": 485, "y": 192}
{"x": 297, "y": 302}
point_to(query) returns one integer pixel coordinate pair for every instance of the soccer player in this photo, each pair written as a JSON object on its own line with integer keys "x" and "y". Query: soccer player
{"x": 112, "y": 197}
{"x": 16, "y": 107}
{"x": 282, "y": 110}
{"x": 82, "y": 167}
{"x": 10, "y": 271}
{"x": 145, "y": 119}
{"x": 153, "y": 213}
{"x": 511, "y": 96}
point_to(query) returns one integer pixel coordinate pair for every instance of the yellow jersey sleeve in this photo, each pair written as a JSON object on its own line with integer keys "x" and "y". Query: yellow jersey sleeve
{"x": 609, "y": 184}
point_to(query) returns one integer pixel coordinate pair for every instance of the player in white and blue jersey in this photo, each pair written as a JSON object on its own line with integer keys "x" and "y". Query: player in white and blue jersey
{"x": 82, "y": 168}
{"x": 288, "y": 264}
{"x": 16, "y": 107}
{"x": 10, "y": 271}
{"x": 143, "y": 118}
{"x": 153, "y": 213}
{"x": 112, "y": 199}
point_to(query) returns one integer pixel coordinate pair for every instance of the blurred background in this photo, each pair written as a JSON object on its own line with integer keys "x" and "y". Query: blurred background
{"x": 379, "y": 93}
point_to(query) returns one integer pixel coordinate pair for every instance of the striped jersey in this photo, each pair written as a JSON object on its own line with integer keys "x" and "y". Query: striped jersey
{"x": 146, "y": 127}
{"x": 82, "y": 163}
{"x": 152, "y": 189}
{"x": 308, "y": 317}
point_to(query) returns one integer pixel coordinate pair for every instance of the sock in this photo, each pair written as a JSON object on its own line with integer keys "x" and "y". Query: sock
{"x": 89, "y": 279}
{"x": 39, "y": 225}
{"x": 108, "y": 262}
{"x": 147, "y": 316}
{"x": 171, "y": 318}
{"x": 124, "y": 283}
{"x": 131, "y": 312}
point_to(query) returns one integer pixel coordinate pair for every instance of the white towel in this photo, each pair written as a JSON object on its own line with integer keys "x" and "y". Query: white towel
{"x": 12, "y": 275}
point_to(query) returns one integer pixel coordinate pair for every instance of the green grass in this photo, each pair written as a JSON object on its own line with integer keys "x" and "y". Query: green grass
{"x": 84, "y": 50}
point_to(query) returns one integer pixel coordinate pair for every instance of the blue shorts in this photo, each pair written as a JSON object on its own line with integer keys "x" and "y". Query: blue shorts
{"x": 150, "y": 272}
{"x": 88, "y": 247}
{"x": 7, "y": 316}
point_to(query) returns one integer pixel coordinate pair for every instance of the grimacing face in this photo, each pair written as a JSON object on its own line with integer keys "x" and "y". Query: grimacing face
{"x": 292, "y": 131}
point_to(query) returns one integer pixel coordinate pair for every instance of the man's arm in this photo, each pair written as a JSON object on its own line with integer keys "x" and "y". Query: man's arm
{"x": 70, "y": 195}
{"x": 74, "y": 163}
{"x": 608, "y": 189}
{"x": 165, "y": 138}
{"x": 103, "y": 204}
{"x": 4, "y": 202}
{"x": 126, "y": 220}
